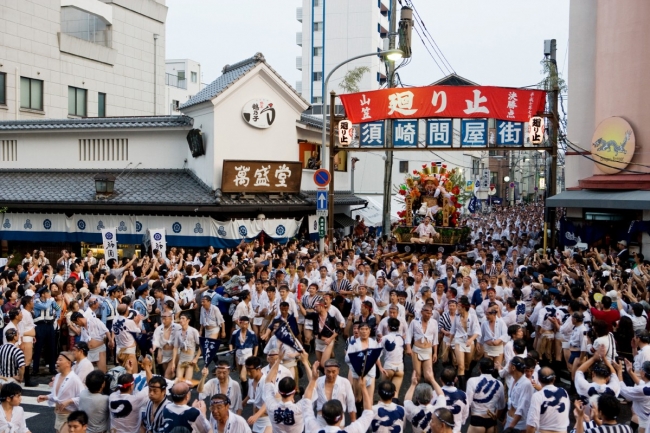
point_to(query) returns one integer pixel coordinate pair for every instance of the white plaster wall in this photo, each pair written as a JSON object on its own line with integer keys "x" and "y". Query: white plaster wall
{"x": 204, "y": 166}
{"x": 235, "y": 139}
{"x": 148, "y": 149}
{"x": 29, "y": 47}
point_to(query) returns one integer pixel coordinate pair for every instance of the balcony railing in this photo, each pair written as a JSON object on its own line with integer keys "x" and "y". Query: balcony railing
{"x": 299, "y": 63}
{"x": 174, "y": 81}
{"x": 299, "y": 38}
{"x": 299, "y": 14}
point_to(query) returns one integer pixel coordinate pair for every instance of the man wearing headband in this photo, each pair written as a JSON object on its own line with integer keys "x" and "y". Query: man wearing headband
{"x": 334, "y": 387}
{"x": 364, "y": 342}
{"x": 442, "y": 421}
{"x": 65, "y": 387}
{"x": 393, "y": 313}
{"x": 124, "y": 341}
{"x": 272, "y": 355}
{"x": 549, "y": 407}
{"x": 94, "y": 333}
{"x": 222, "y": 419}
{"x": 163, "y": 343}
{"x": 260, "y": 419}
{"x": 422, "y": 343}
{"x": 221, "y": 384}
{"x": 381, "y": 295}
{"x": 244, "y": 342}
{"x": 465, "y": 329}
{"x": 519, "y": 396}
{"x": 178, "y": 416}
{"x": 286, "y": 416}
{"x": 485, "y": 398}
{"x": 637, "y": 394}
{"x": 125, "y": 404}
{"x": 333, "y": 413}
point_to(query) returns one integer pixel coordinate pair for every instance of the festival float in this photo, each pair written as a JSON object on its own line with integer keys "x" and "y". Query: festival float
{"x": 437, "y": 193}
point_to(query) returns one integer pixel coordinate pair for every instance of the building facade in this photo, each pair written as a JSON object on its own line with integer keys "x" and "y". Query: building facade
{"x": 182, "y": 81}
{"x": 607, "y": 175}
{"x": 82, "y": 58}
{"x": 333, "y": 31}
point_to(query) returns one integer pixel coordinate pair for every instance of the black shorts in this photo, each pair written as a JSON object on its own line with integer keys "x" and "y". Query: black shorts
{"x": 479, "y": 421}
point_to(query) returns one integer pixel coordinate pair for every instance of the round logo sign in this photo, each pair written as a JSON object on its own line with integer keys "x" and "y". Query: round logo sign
{"x": 612, "y": 145}
{"x": 157, "y": 236}
{"x": 109, "y": 235}
{"x": 259, "y": 112}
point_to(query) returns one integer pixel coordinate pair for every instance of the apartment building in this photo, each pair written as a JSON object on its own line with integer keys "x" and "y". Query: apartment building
{"x": 82, "y": 58}
{"x": 182, "y": 81}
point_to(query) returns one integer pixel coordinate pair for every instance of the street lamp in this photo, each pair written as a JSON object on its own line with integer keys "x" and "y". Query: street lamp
{"x": 392, "y": 55}
{"x": 506, "y": 178}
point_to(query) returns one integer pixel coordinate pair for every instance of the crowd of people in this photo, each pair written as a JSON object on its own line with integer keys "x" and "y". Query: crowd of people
{"x": 499, "y": 334}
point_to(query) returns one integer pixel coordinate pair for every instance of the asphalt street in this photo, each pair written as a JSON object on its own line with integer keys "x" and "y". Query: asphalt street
{"x": 41, "y": 417}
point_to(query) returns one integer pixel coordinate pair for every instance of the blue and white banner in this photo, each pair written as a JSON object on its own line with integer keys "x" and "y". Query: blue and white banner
{"x": 109, "y": 239}
{"x": 185, "y": 231}
{"x": 157, "y": 240}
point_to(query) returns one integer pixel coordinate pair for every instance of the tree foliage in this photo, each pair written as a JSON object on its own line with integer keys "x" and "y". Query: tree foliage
{"x": 350, "y": 82}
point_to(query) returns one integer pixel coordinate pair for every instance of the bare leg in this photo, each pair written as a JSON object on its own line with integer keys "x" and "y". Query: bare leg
{"x": 397, "y": 379}
{"x": 460, "y": 359}
{"x": 427, "y": 370}
{"x": 474, "y": 429}
{"x": 101, "y": 364}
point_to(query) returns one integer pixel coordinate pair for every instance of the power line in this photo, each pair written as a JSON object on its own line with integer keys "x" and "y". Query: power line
{"x": 429, "y": 51}
{"x": 441, "y": 54}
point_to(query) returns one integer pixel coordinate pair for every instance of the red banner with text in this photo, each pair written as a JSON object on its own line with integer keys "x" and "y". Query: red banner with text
{"x": 516, "y": 105}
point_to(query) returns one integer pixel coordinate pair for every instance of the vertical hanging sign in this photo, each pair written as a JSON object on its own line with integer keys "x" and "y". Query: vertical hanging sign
{"x": 109, "y": 239}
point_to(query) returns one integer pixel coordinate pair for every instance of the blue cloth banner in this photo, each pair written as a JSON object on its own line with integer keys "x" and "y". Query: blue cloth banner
{"x": 284, "y": 334}
{"x": 209, "y": 349}
{"x": 363, "y": 361}
{"x": 144, "y": 341}
{"x": 472, "y": 204}
{"x": 185, "y": 231}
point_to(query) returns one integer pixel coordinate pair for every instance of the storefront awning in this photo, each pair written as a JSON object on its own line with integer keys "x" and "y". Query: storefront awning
{"x": 372, "y": 213}
{"x": 341, "y": 220}
{"x": 632, "y": 200}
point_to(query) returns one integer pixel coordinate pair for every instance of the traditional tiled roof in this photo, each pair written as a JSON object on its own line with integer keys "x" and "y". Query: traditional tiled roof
{"x": 99, "y": 123}
{"x": 145, "y": 187}
{"x": 313, "y": 121}
{"x": 230, "y": 199}
{"x": 230, "y": 74}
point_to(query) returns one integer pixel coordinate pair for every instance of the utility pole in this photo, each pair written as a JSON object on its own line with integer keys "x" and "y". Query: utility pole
{"x": 388, "y": 166}
{"x": 550, "y": 48}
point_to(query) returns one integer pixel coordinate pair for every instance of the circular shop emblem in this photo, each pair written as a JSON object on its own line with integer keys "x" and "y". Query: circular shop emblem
{"x": 407, "y": 249}
{"x": 243, "y": 231}
{"x": 81, "y": 224}
{"x": 176, "y": 227}
{"x": 109, "y": 235}
{"x": 613, "y": 145}
{"x": 221, "y": 231}
{"x": 280, "y": 230}
{"x": 157, "y": 237}
{"x": 47, "y": 224}
{"x": 138, "y": 226}
{"x": 259, "y": 113}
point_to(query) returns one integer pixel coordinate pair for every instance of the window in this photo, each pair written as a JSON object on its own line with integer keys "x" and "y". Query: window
{"x": 318, "y": 51}
{"x": 316, "y": 100}
{"x": 318, "y": 27}
{"x": 83, "y": 25}
{"x": 104, "y": 149}
{"x": 76, "y": 101}
{"x": 194, "y": 77}
{"x": 9, "y": 150}
{"x": 475, "y": 166}
{"x": 318, "y": 3}
{"x": 403, "y": 166}
{"x": 31, "y": 93}
{"x": 3, "y": 88}
{"x": 318, "y": 76}
{"x": 181, "y": 75}
{"x": 101, "y": 105}
{"x": 175, "y": 105}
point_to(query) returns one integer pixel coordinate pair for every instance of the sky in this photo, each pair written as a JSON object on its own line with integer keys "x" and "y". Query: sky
{"x": 496, "y": 42}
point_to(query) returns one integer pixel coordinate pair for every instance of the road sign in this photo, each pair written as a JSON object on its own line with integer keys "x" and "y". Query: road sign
{"x": 321, "y": 227}
{"x": 321, "y": 200}
{"x": 322, "y": 177}
{"x": 322, "y": 213}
